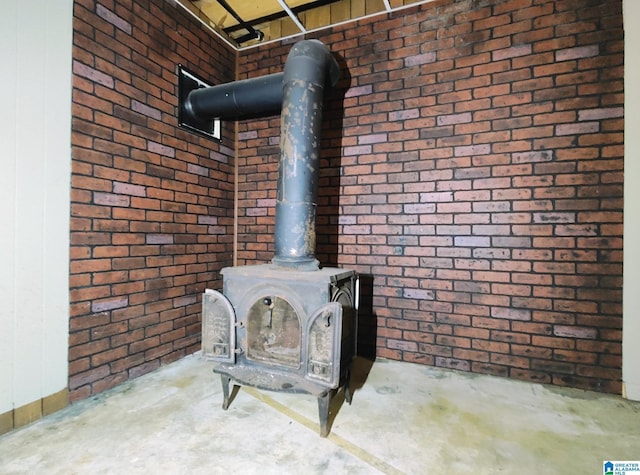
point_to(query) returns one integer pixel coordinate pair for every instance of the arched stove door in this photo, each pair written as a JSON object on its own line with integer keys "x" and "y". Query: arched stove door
{"x": 323, "y": 344}
{"x": 218, "y": 327}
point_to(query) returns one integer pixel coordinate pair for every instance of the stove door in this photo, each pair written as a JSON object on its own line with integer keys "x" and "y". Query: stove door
{"x": 218, "y": 327}
{"x": 323, "y": 344}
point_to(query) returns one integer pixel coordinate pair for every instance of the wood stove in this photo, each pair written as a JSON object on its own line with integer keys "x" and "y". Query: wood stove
{"x": 288, "y": 325}
{"x": 283, "y": 330}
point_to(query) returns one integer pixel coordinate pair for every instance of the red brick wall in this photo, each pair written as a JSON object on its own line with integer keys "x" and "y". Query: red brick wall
{"x": 472, "y": 170}
{"x": 152, "y": 205}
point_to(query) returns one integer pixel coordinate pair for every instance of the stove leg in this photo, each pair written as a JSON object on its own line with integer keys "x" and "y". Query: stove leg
{"x": 347, "y": 388}
{"x": 225, "y": 391}
{"x": 324, "y": 403}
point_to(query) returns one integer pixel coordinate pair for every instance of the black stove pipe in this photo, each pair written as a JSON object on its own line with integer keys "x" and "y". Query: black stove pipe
{"x": 309, "y": 68}
{"x": 299, "y": 92}
{"x": 238, "y": 99}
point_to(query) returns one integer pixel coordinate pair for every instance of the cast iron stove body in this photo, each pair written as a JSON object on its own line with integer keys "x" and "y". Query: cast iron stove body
{"x": 283, "y": 330}
{"x": 289, "y": 325}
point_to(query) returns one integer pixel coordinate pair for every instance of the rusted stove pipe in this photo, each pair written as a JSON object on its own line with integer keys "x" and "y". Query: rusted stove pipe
{"x": 299, "y": 90}
{"x": 309, "y": 68}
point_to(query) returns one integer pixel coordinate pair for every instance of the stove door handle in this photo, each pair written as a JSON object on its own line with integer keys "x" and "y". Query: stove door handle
{"x": 270, "y": 302}
{"x": 327, "y": 318}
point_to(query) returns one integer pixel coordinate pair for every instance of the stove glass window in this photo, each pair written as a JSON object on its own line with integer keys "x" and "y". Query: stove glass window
{"x": 273, "y": 332}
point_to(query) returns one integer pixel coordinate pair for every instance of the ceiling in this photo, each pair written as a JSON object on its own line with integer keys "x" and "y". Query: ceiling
{"x": 246, "y": 23}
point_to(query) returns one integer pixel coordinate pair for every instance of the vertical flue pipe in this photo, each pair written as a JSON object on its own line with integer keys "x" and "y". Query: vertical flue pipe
{"x": 309, "y": 69}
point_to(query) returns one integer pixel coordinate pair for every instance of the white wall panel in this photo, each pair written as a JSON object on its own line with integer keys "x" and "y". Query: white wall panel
{"x": 35, "y": 124}
{"x": 57, "y": 180}
{"x": 631, "y": 277}
{"x": 29, "y": 223}
{"x": 8, "y": 53}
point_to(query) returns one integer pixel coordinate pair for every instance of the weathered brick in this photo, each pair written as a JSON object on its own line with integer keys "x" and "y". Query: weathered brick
{"x": 129, "y": 179}
{"x": 577, "y": 52}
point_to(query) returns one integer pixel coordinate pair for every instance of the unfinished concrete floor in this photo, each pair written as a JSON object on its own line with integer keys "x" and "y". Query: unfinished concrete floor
{"x": 405, "y": 418}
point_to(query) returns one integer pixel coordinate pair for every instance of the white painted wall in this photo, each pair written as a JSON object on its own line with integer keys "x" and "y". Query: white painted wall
{"x": 631, "y": 277}
{"x": 35, "y": 152}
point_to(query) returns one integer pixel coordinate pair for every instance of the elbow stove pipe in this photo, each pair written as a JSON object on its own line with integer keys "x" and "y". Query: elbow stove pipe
{"x": 310, "y": 68}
